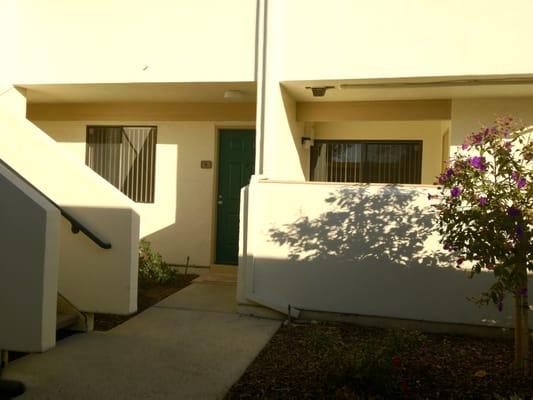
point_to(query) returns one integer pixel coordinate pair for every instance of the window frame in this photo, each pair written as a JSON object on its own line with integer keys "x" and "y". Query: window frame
{"x": 153, "y": 172}
{"x": 364, "y": 154}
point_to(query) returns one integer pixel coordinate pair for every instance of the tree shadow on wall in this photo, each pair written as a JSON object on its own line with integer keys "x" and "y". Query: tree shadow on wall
{"x": 370, "y": 225}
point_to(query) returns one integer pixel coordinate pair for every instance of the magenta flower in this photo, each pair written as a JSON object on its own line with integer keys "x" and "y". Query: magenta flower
{"x": 456, "y": 191}
{"x": 465, "y": 146}
{"x": 483, "y": 201}
{"x": 521, "y": 183}
{"x": 445, "y": 175}
{"x": 508, "y": 146}
{"x": 478, "y": 163}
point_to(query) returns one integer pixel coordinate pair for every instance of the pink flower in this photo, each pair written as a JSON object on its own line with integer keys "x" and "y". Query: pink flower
{"x": 483, "y": 201}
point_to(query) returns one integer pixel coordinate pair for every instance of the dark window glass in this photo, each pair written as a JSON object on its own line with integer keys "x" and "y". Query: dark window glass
{"x": 125, "y": 157}
{"x": 365, "y": 161}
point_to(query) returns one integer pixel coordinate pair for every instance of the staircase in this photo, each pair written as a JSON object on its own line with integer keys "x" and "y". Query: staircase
{"x": 70, "y": 318}
{"x": 64, "y": 230}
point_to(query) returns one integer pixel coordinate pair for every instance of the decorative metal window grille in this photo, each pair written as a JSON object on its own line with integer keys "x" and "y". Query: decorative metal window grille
{"x": 125, "y": 157}
{"x": 366, "y": 161}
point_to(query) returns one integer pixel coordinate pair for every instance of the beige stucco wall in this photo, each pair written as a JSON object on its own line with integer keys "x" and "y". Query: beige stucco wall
{"x": 430, "y": 132}
{"x": 98, "y": 41}
{"x": 357, "y": 249}
{"x": 30, "y": 232}
{"x": 347, "y": 39}
{"x": 469, "y": 115}
{"x": 181, "y": 221}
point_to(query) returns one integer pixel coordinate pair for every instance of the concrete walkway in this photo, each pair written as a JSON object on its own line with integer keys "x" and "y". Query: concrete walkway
{"x": 192, "y": 345}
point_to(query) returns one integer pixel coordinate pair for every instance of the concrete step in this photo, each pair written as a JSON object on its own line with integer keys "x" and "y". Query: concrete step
{"x": 66, "y": 320}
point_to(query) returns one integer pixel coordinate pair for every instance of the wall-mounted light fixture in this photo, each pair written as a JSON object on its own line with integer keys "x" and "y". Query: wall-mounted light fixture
{"x": 307, "y": 142}
{"x": 234, "y": 95}
{"x": 319, "y": 91}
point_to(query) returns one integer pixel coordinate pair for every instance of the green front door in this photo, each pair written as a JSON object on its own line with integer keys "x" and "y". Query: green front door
{"x": 235, "y": 167}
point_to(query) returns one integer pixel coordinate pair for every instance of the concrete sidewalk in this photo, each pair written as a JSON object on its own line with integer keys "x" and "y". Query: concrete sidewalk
{"x": 192, "y": 345}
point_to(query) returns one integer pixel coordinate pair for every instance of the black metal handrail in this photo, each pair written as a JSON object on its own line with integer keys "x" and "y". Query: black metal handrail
{"x": 76, "y": 226}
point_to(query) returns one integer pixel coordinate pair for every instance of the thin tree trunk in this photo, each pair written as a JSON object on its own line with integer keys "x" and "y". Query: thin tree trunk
{"x": 521, "y": 325}
{"x": 518, "y": 337}
{"x": 525, "y": 329}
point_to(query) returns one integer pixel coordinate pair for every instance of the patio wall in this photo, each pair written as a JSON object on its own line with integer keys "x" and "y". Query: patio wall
{"x": 355, "y": 249}
{"x": 181, "y": 221}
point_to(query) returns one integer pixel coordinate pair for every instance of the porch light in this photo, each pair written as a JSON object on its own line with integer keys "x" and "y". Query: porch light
{"x": 307, "y": 142}
{"x": 234, "y": 95}
{"x": 319, "y": 91}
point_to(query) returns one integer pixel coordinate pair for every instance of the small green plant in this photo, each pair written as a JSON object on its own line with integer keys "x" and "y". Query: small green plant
{"x": 152, "y": 268}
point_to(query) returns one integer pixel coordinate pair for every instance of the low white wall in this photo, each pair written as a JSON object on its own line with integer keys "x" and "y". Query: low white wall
{"x": 180, "y": 222}
{"x": 29, "y": 245}
{"x": 357, "y": 249}
{"x": 93, "y": 279}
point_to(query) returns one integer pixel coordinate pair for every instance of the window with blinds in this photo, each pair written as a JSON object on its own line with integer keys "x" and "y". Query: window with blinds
{"x": 125, "y": 157}
{"x": 366, "y": 161}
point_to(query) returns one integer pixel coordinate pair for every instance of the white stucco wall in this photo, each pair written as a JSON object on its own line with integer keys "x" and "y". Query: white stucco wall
{"x": 353, "y": 39}
{"x": 30, "y": 240}
{"x": 181, "y": 221}
{"x": 284, "y": 157}
{"x": 367, "y": 250}
{"x": 99, "y": 41}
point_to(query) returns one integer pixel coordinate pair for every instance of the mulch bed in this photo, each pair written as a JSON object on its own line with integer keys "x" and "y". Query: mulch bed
{"x": 304, "y": 362}
{"x": 149, "y": 294}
